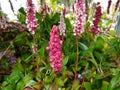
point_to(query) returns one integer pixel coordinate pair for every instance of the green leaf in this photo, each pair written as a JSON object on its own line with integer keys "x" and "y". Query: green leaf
{"x": 20, "y": 67}
{"x": 49, "y": 79}
{"x": 28, "y": 59}
{"x": 94, "y": 62}
{"x": 42, "y": 52}
{"x": 112, "y": 32}
{"x": 65, "y": 61}
{"x": 21, "y": 10}
{"x": 83, "y": 46}
{"x": 60, "y": 82}
{"x": 30, "y": 83}
{"x": 96, "y": 84}
{"x": 27, "y": 78}
{"x": 5, "y": 83}
{"x": 115, "y": 80}
{"x": 22, "y": 18}
{"x": 19, "y": 40}
{"x": 87, "y": 86}
{"x": 14, "y": 77}
{"x": 104, "y": 85}
{"x": 20, "y": 85}
{"x": 22, "y": 15}
{"x": 109, "y": 22}
{"x": 68, "y": 24}
{"x": 9, "y": 87}
{"x": 99, "y": 43}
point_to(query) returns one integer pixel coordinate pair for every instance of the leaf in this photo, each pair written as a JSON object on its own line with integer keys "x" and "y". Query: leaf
{"x": 72, "y": 57}
{"x": 42, "y": 52}
{"x": 21, "y": 10}
{"x": 14, "y": 77}
{"x": 20, "y": 85}
{"x": 68, "y": 24}
{"x": 30, "y": 83}
{"x": 114, "y": 81}
{"x": 9, "y": 87}
{"x": 19, "y": 40}
{"x": 94, "y": 61}
{"x": 99, "y": 44}
{"x": 22, "y": 15}
{"x": 109, "y": 22}
{"x": 27, "y": 78}
{"x": 83, "y": 46}
{"x": 75, "y": 85}
{"x": 104, "y": 85}
{"x": 96, "y": 84}
{"x": 65, "y": 61}
{"x": 19, "y": 67}
{"x": 112, "y": 32}
{"x": 60, "y": 82}
{"x": 49, "y": 79}
{"x": 5, "y": 83}
{"x": 28, "y": 59}
{"x": 87, "y": 86}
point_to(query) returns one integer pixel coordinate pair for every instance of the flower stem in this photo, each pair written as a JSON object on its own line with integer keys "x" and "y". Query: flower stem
{"x": 35, "y": 55}
{"x": 77, "y": 55}
{"x": 5, "y": 52}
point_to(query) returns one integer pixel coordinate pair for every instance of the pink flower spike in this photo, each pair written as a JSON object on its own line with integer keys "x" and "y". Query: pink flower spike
{"x": 55, "y": 50}
{"x": 30, "y": 18}
{"x": 96, "y": 20}
{"x": 62, "y": 25}
{"x": 78, "y": 28}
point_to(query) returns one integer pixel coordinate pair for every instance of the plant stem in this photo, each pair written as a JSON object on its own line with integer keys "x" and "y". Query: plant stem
{"x": 77, "y": 55}
{"x": 5, "y": 52}
{"x": 37, "y": 64}
{"x": 35, "y": 55}
{"x": 84, "y": 73}
{"x": 94, "y": 62}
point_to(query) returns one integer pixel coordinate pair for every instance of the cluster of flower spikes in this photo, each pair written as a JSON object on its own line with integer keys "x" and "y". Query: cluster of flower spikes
{"x": 96, "y": 20}
{"x": 79, "y": 18}
{"x": 62, "y": 25}
{"x": 31, "y": 19}
{"x": 55, "y": 49}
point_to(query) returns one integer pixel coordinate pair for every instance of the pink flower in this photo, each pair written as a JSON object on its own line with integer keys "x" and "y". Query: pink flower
{"x": 79, "y": 18}
{"x": 55, "y": 49}
{"x": 96, "y": 20}
{"x": 62, "y": 25}
{"x": 30, "y": 19}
